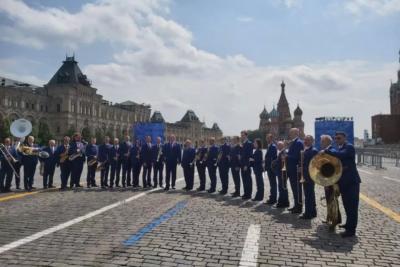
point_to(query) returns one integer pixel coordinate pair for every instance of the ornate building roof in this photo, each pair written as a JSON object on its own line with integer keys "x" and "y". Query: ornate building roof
{"x": 264, "y": 114}
{"x": 298, "y": 111}
{"x": 190, "y": 116}
{"x": 274, "y": 113}
{"x": 215, "y": 127}
{"x": 157, "y": 117}
{"x": 283, "y": 104}
{"x": 69, "y": 73}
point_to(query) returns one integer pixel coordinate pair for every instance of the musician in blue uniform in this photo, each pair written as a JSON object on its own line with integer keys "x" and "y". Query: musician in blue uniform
{"x": 146, "y": 157}
{"x": 104, "y": 161}
{"x": 310, "y": 151}
{"x": 278, "y": 166}
{"x": 17, "y": 165}
{"x": 258, "y": 169}
{"x": 77, "y": 157}
{"x": 124, "y": 149}
{"x": 245, "y": 156}
{"x": 270, "y": 156}
{"x": 201, "y": 165}
{"x": 188, "y": 161}
{"x": 91, "y": 153}
{"x": 6, "y": 169}
{"x": 115, "y": 163}
{"x": 212, "y": 164}
{"x": 49, "y": 164}
{"x": 135, "y": 162}
{"x": 223, "y": 166}
{"x": 293, "y": 163}
{"x": 29, "y": 162}
{"x": 349, "y": 183}
{"x": 235, "y": 164}
{"x": 158, "y": 163}
{"x": 173, "y": 157}
{"x": 63, "y": 162}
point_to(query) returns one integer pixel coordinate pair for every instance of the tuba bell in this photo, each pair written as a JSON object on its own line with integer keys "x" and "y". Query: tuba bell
{"x": 325, "y": 170}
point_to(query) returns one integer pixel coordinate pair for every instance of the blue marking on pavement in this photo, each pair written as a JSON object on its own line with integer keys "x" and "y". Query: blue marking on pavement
{"x": 154, "y": 223}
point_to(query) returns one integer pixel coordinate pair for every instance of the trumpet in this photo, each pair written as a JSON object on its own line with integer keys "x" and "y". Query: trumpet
{"x": 32, "y": 151}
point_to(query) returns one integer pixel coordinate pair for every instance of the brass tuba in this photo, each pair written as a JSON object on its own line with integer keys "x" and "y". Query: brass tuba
{"x": 326, "y": 170}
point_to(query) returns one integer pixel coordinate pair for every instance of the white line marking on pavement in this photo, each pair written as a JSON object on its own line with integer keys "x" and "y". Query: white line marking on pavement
{"x": 61, "y": 226}
{"x": 367, "y": 172}
{"x": 250, "y": 249}
{"x": 392, "y": 179}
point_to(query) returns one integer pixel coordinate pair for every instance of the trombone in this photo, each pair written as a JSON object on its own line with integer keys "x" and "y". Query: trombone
{"x": 9, "y": 158}
{"x": 284, "y": 171}
{"x": 300, "y": 181}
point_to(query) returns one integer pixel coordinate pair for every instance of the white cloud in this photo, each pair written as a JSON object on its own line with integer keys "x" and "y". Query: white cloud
{"x": 160, "y": 65}
{"x": 380, "y": 7}
{"x": 291, "y": 3}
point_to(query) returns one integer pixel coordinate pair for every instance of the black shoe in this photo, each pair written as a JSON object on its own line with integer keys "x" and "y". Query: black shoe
{"x": 235, "y": 194}
{"x": 222, "y": 192}
{"x": 78, "y": 185}
{"x": 296, "y": 211}
{"x": 88, "y": 186}
{"x": 257, "y": 199}
{"x": 118, "y": 186}
{"x": 173, "y": 188}
{"x": 166, "y": 189}
{"x": 184, "y": 188}
{"x": 347, "y": 234}
{"x": 211, "y": 191}
{"x": 343, "y": 226}
{"x": 292, "y": 208}
{"x": 44, "y": 187}
{"x": 246, "y": 197}
{"x": 62, "y": 189}
{"x": 33, "y": 188}
{"x": 281, "y": 205}
{"x": 306, "y": 216}
{"x": 94, "y": 185}
{"x": 200, "y": 189}
{"x": 270, "y": 202}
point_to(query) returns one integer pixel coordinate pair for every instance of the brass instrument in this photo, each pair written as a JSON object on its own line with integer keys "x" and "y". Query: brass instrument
{"x": 218, "y": 158}
{"x": 9, "y": 158}
{"x": 284, "y": 172}
{"x": 32, "y": 151}
{"x": 300, "y": 181}
{"x": 64, "y": 155}
{"x": 100, "y": 166}
{"x": 159, "y": 154}
{"x": 326, "y": 170}
{"x": 92, "y": 162}
{"x": 75, "y": 156}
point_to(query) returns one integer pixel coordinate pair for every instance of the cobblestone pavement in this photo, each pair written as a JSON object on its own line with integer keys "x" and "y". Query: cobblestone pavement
{"x": 210, "y": 230}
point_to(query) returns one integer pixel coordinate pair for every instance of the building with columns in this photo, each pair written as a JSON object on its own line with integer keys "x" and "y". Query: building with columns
{"x": 189, "y": 127}
{"x": 279, "y": 120}
{"x": 68, "y": 103}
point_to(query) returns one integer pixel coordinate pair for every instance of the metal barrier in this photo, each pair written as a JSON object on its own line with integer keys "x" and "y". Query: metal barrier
{"x": 378, "y": 158}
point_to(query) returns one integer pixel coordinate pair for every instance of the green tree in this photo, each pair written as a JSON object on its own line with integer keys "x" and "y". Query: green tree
{"x": 4, "y": 129}
{"x": 86, "y": 134}
{"x": 257, "y": 134}
{"x": 44, "y": 134}
{"x": 99, "y": 136}
{"x": 71, "y": 130}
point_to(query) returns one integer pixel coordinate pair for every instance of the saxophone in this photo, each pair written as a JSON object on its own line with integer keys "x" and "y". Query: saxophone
{"x": 64, "y": 155}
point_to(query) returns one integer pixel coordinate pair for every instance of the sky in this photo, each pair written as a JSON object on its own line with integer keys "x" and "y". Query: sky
{"x": 224, "y": 59}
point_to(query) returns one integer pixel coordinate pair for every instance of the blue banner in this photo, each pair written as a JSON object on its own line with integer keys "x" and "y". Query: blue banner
{"x": 330, "y": 127}
{"x": 141, "y": 130}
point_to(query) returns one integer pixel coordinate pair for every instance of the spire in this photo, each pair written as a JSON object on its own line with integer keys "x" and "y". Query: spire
{"x": 283, "y": 86}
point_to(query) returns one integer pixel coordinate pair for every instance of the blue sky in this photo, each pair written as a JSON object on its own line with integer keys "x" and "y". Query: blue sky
{"x": 216, "y": 57}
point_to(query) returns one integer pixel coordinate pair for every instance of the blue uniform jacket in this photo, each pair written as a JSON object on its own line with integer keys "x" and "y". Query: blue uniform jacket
{"x": 91, "y": 151}
{"x": 308, "y": 156}
{"x": 225, "y": 149}
{"x": 146, "y": 154}
{"x": 188, "y": 157}
{"x": 235, "y": 156}
{"x": 114, "y": 153}
{"x": 76, "y": 147}
{"x": 52, "y": 160}
{"x": 258, "y": 161}
{"x": 246, "y": 153}
{"x": 123, "y": 150}
{"x": 271, "y": 155}
{"x": 29, "y": 159}
{"x": 293, "y": 155}
{"x": 347, "y": 155}
{"x": 134, "y": 155}
{"x": 154, "y": 152}
{"x": 104, "y": 153}
{"x": 4, "y": 163}
{"x": 212, "y": 155}
{"x": 172, "y": 153}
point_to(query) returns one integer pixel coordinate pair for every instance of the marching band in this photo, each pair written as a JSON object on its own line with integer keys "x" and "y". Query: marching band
{"x": 283, "y": 161}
